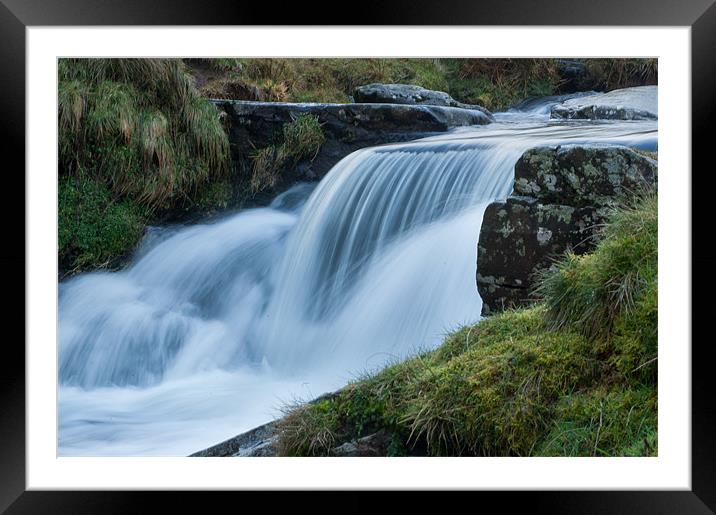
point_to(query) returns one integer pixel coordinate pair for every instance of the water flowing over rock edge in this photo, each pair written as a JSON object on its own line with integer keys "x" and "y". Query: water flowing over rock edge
{"x": 443, "y": 145}
{"x": 632, "y": 173}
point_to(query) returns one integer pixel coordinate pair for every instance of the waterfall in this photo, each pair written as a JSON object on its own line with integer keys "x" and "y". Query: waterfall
{"x": 214, "y": 326}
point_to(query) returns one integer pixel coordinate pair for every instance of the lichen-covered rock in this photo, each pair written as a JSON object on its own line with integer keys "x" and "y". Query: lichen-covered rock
{"x": 561, "y": 197}
{"x": 520, "y": 236}
{"x": 639, "y": 103}
{"x": 582, "y": 176}
{"x": 409, "y": 94}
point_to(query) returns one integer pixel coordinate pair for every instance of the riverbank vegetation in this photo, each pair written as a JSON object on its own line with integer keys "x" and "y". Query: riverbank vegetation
{"x": 301, "y": 139}
{"x": 573, "y": 375}
{"x": 135, "y": 139}
{"x": 493, "y": 83}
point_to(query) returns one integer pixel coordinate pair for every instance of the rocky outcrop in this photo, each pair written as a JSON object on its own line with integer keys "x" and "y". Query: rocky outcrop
{"x": 561, "y": 196}
{"x": 409, "y": 94}
{"x": 347, "y": 127}
{"x": 639, "y": 103}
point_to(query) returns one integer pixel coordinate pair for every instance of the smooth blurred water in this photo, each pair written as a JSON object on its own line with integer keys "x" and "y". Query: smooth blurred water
{"x": 214, "y": 327}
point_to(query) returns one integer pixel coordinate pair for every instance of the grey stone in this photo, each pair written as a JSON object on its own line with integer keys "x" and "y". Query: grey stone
{"x": 409, "y": 94}
{"x": 638, "y": 103}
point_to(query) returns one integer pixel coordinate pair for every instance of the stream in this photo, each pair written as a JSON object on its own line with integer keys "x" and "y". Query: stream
{"x": 214, "y": 327}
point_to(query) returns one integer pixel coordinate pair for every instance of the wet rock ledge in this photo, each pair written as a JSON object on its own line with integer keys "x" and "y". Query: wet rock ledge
{"x": 561, "y": 196}
{"x": 638, "y": 103}
{"x": 347, "y": 127}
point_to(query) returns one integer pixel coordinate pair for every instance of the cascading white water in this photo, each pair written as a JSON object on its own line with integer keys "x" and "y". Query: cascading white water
{"x": 215, "y": 326}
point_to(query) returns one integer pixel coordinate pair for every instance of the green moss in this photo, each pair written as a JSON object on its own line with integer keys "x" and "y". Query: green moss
{"x": 95, "y": 228}
{"x": 603, "y": 422}
{"x": 495, "y": 398}
{"x": 633, "y": 346}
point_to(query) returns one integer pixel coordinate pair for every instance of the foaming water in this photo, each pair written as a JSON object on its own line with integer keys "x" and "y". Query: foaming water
{"x": 215, "y": 326}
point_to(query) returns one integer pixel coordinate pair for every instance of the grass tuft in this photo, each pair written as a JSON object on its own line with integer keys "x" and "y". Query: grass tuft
{"x": 139, "y": 128}
{"x": 301, "y": 139}
{"x": 591, "y": 292}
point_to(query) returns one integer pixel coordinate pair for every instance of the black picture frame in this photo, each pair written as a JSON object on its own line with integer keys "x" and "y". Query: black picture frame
{"x": 16, "y": 15}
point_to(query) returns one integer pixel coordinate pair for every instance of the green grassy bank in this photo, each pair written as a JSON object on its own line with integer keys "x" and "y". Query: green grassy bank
{"x": 573, "y": 375}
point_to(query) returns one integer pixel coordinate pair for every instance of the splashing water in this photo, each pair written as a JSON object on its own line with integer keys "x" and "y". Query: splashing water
{"x": 213, "y": 327}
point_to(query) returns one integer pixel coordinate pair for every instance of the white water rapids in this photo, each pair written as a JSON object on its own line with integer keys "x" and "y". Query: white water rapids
{"x": 214, "y": 327}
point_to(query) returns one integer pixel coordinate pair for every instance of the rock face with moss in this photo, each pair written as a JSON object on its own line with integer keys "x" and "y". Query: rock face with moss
{"x": 409, "y": 94}
{"x": 347, "y": 127}
{"x": 561, "y": 197}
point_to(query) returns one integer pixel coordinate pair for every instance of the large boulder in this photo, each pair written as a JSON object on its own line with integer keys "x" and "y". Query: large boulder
{"x": 347, "y": 127}
{"x": 561, "y": 197}
{"x": 639, "y": 103}
{"x": 409, "y": 94}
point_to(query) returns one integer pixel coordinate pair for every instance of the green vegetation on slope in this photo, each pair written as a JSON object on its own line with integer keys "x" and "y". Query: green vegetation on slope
{"x": 493, "y": 83}
{"x": 135, "y": 138}
{"x": 94, "y": 226}
{"x": 574, "y": 375}
{"x": 301, "y": 139}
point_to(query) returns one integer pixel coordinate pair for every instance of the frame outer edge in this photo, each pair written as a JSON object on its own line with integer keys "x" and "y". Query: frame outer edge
{"x": 703, "y": 108}
{"x": 12, "y": 257}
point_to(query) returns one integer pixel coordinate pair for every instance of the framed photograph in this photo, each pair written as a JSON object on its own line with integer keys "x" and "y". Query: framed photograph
{"x": 256, "y": 254}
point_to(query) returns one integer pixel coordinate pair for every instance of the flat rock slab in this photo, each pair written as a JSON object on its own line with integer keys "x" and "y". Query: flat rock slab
{"x": 639, "y": 103}
{"x": 368, "y": 116}
{"x": 409, "y": 94}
